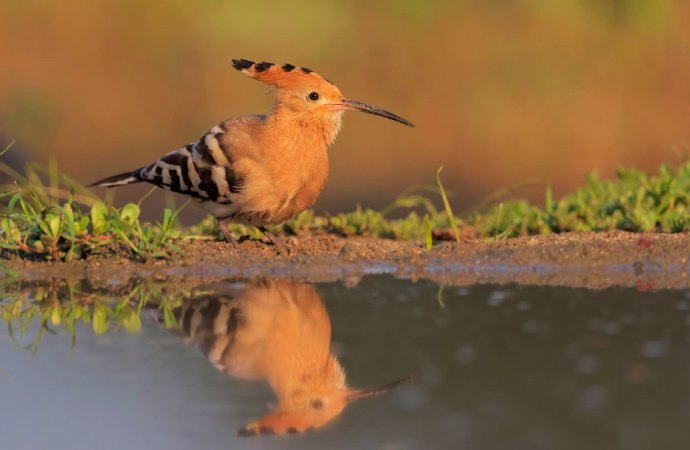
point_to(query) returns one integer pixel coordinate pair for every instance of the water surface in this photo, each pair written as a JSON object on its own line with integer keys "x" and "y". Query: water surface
{"x": 496, "y": 367}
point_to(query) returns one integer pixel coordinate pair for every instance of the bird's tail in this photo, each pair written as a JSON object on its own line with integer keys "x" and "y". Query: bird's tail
{"x": 118, "y": 180}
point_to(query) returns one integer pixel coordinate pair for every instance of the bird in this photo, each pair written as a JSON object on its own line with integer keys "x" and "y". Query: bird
{"x": 278, "y": 331}
{"x": 260, "y": 170}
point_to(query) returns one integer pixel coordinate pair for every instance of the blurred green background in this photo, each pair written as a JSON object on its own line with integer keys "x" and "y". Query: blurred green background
{"x": 501, "y": 91}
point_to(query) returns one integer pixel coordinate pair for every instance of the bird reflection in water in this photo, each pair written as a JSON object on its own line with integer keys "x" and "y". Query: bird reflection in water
{"x": 279, "y": 331}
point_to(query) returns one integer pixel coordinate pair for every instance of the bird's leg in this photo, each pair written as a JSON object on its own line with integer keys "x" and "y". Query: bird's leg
{"x": 279, "y": 244}
{"x": 223, "y": 227}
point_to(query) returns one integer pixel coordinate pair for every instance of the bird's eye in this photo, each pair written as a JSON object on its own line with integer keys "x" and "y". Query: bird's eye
{"x": 313, "y": 96}
{"x": 316, "y": 404}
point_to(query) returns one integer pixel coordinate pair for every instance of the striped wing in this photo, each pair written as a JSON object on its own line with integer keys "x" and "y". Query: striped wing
{"x": 201, "y": 169}
{"x": 212, "y": 323}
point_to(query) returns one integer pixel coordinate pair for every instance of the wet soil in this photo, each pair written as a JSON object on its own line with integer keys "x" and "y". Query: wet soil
{"x": 593, "y": 260}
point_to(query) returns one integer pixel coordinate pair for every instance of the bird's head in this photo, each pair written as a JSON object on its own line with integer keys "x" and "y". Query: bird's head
{"x": 311, "y": 408}
{"x": 304, "y": 94}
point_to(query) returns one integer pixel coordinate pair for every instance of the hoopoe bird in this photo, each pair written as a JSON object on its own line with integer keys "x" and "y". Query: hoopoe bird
{"x": 279, "y": 331}
{"x": 260, "y": 170}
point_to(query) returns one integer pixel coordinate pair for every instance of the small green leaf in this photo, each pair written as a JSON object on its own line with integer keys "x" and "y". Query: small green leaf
{"x": 99, "y": 214}
{"x": 83, "y": 224}
{"x": 100, "y": 319}
{"x": 56, "y": 316}
{"x": 169, "y": 317}
{"x": 167, "y": 219}
{"x": 68, "y": 212}
{"x": 53, "y": 224}
{"x": 427, "y": 226}
{"x": 130, "y": 213}
{"x": 11, "y": 230}
{"x": 131, "y": 321}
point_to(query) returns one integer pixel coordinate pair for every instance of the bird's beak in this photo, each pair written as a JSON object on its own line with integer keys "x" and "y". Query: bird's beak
{"x": 356, "y": 394}
{"x": 352, "y": 105}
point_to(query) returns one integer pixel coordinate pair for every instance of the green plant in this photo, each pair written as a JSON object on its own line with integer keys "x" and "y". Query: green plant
{"x": 47, "y": 215}
{"x": 59, "y": 307}
{"x": 446, "y": 204}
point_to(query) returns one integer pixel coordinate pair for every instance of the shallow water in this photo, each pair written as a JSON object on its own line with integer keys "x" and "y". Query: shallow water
{"x": 496, "y": 367}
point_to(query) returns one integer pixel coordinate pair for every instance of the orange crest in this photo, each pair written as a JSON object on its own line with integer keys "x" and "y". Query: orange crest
{"x": 283, "y": 76}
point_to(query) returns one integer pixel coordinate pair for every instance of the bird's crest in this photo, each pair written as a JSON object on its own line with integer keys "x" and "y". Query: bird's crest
{"x": 276, "y": 75}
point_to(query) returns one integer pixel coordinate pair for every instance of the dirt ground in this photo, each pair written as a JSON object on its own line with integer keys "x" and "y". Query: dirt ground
{"x": 593, "y": 260}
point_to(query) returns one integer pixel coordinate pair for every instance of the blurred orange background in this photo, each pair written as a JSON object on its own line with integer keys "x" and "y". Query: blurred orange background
{"x": 502, "y": 92}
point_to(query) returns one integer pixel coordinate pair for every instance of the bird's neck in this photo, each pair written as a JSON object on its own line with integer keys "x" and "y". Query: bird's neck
{"x": 304, "y": 130}
{"x": 315, "y": 372}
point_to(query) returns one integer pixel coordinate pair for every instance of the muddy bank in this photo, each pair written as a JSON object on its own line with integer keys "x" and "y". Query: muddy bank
{"x": 593, "y": 260}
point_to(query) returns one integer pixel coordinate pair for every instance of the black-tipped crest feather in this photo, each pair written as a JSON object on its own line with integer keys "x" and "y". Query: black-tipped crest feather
{"x": 241, "y": 64}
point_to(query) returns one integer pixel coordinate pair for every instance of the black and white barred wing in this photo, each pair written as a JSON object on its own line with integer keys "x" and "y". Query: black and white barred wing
{"x": 201, "y": 169}
{"x": 215, "y": 325}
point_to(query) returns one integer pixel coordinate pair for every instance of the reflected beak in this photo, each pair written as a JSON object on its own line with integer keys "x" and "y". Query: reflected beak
{"x": 352, "y": 105}
{"x": 356, "y": 394}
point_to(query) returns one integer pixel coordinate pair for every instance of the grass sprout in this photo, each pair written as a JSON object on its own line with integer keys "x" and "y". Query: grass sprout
{"x": 446, "y": 205}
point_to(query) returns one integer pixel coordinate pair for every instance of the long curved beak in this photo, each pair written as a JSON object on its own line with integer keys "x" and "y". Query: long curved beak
{"x": 356, "y": 394}
{"x": 352, "y": 105}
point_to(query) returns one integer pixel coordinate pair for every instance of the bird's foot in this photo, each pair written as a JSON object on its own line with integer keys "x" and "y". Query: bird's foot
{"x": 281, "y": 245}
{"x": 227, "y": 234}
